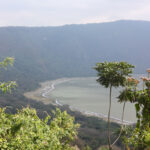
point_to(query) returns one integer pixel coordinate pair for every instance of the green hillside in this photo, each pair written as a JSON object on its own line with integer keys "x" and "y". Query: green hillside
{"x": 52, "y": 52}
{"x": 46, "y": 53}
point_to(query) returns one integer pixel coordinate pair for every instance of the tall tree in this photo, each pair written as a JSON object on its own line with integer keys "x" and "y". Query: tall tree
{"x": 112, "y": 74}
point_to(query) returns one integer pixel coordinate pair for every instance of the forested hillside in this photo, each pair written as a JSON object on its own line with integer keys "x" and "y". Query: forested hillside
{"x": 46, "y": 53}
{"x": 51, "y": 52}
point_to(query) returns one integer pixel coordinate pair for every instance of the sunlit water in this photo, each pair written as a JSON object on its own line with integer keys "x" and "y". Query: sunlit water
{"x": 86, "y": 94}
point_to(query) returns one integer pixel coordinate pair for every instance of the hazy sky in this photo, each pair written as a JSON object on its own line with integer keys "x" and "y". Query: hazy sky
{"x": 60, "y": 12}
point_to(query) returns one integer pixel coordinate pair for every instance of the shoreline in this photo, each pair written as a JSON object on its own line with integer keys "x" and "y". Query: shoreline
{"x": 40, "y": 94}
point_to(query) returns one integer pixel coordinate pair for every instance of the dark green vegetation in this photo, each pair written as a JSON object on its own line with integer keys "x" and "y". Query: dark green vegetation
{"x": 91, "y": 132}
{"x": 47, "y": 53}
{"x": 114, "y": 74}
{"x": 25, "y": 130}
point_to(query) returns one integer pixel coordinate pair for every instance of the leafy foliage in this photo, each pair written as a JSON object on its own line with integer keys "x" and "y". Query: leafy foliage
{"x": 24, "y": 130}
{"x": 113, "y": 73}
{"x": 140, "y": 137}
{"x": 7, "y": 86}
{"x": 39, "y": 57}
{"x": 7, "y": 61}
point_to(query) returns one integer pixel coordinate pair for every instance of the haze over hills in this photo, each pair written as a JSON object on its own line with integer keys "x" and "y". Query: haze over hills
{"x": 43, "y": 53}
{"x": 46, "y": 53}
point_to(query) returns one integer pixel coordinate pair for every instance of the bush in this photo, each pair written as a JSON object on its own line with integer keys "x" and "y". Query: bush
{"x": 26, "y": 131}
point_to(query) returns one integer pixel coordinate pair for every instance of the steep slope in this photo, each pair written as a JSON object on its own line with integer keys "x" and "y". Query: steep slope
{"x": 44, "y": 53}
{"x": 51, "y": 52}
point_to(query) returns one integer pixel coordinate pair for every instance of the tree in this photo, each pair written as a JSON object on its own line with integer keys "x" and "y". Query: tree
{"x": 126, "y": 95}
{"x": 140, "y": 137}
{"x": 26, "y": 131}
{"x": 112, "y": 74}
{"x": 7, "y": 86}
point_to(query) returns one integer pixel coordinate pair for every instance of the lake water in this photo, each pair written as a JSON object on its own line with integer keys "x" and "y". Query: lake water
{"x": 86, "y": 94}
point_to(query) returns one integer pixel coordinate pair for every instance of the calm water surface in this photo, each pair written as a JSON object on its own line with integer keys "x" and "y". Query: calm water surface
{"x": 87, "y": 95}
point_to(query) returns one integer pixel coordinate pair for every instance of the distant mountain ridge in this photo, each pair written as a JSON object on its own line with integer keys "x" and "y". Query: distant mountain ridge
{"x": 43, "y": 53}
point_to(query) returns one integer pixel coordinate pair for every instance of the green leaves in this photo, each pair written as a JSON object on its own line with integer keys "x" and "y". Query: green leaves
{"x": 140, "y": 136}
{"x": 25, "y": 130}
{"x": 113, "y": 73}
{"x": 7, "y": 61}
{"x": 7, "y": 86}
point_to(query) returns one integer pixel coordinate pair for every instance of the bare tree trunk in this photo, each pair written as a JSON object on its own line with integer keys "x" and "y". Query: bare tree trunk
{"x": 109, "y": 140}
{"x": 121, "y": 124}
